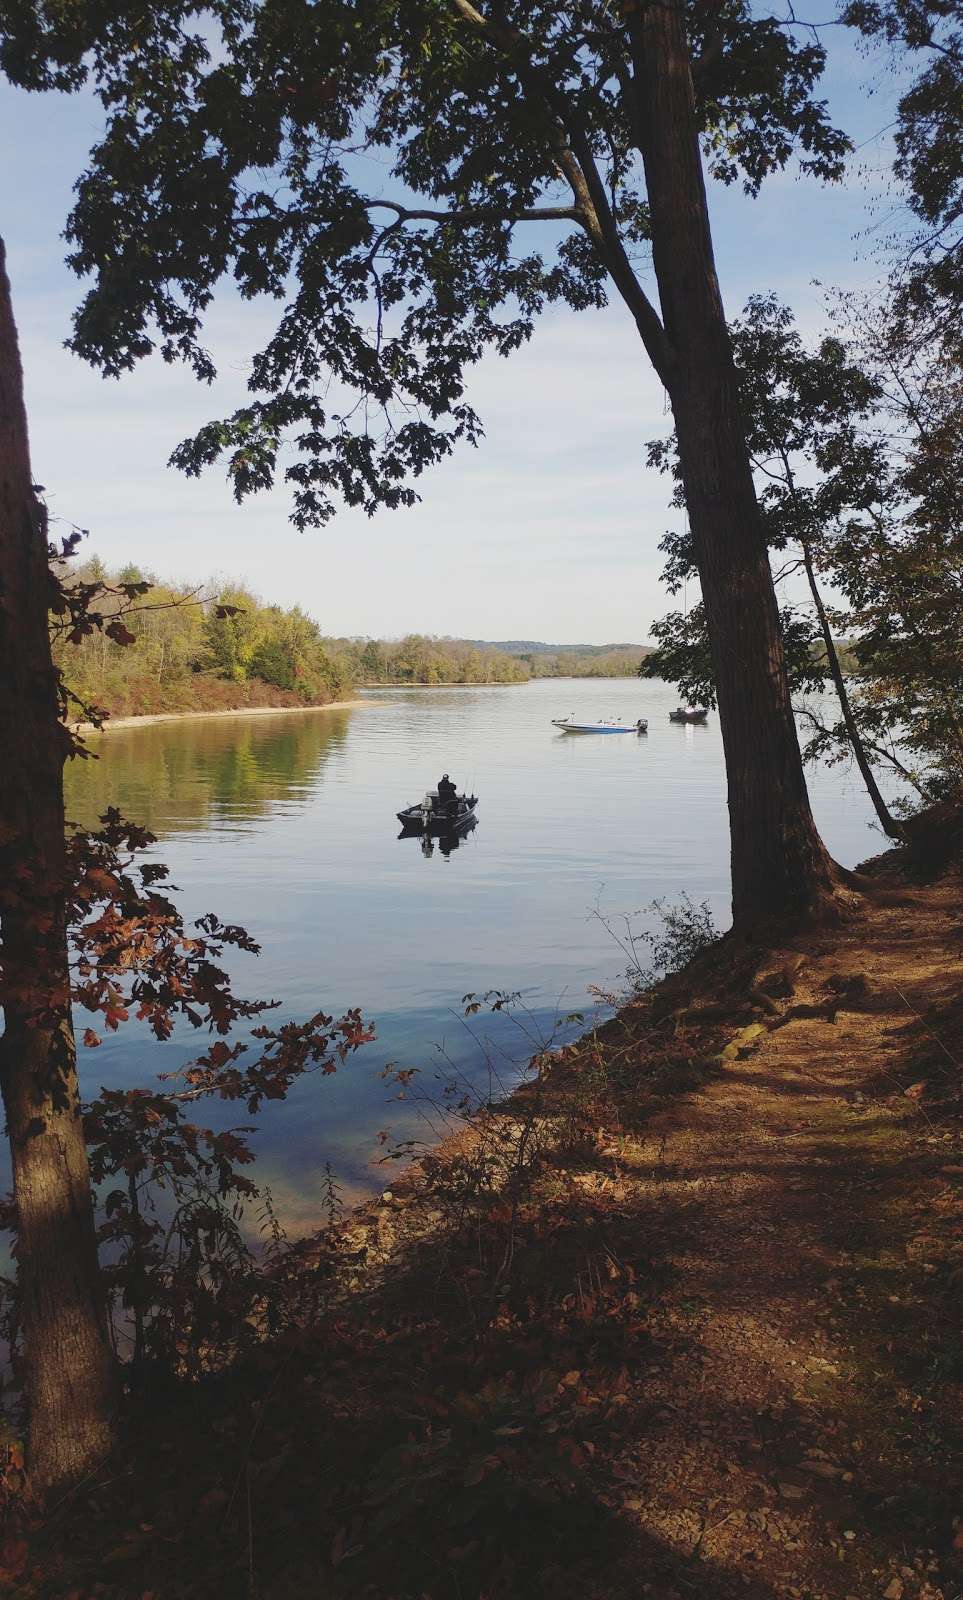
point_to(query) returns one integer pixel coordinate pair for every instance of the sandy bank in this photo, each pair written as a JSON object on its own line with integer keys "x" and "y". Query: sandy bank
{"x": 198, "y": 716}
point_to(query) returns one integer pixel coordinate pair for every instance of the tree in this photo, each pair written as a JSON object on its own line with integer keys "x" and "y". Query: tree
{"x": 78, "y": 927}
{"x": 856, "y": 442}
{"x": 577, "y": 118}
{"x": 802, "y": 412}
{"x": 927, "y": 278}
{"x": 899, "y": 559}
{"x": 67, "y": 1363}
{"x": 232, "y": 632}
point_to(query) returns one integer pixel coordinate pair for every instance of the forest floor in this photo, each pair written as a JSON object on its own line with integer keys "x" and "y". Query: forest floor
{"x": 682, "y": 1319}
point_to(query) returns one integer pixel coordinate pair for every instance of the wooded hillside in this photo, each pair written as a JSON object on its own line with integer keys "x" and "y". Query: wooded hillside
{"x": 218, "y": 646}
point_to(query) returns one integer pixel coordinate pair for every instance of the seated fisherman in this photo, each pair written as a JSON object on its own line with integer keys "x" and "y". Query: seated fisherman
{"x": 447, "y": 793}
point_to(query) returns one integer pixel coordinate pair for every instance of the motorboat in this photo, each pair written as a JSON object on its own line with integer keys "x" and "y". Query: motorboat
{"x": 609, "y": 725}
{"x": 688, "y": 714}
{"x": 433, "y": 816}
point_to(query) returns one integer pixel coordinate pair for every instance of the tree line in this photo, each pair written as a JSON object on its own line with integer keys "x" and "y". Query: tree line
{"x": 178, "y": 647}
{"x": 229, "y": 152}
{"x": 420, "y": 659}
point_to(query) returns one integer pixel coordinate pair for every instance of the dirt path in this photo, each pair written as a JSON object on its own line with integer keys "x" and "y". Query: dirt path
{"x": 799, "y": 1432}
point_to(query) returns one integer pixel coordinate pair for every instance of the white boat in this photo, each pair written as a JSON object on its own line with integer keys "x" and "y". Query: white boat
{"x": 569, "y": 725}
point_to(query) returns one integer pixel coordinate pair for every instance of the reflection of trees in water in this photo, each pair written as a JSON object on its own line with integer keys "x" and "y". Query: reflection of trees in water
{"x": 187, "y": 774}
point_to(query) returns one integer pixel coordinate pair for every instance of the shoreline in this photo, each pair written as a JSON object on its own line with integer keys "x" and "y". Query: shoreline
{"x": 489, "y": 683}
{"x": 148, "y": 717}
{"x": 487, "y": 1193}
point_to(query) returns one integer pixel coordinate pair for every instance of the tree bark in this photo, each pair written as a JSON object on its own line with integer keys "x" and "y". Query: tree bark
{"x": 780, "y": 868}
{"x": 67, "y": 1364}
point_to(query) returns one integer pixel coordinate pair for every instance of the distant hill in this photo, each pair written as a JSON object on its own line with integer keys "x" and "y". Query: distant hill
{"x": 537, "y": 647}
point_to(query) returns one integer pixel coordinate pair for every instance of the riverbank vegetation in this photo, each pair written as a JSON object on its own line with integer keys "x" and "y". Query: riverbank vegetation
{"x": 176, "y": 647}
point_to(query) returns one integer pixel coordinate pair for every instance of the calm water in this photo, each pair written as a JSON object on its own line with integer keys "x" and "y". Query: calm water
{"x": 286, "y": 824}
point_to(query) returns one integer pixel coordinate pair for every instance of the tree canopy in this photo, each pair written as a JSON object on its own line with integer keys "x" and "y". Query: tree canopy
{"x": 372, "y": 167}
{"x": 928, "y": 272}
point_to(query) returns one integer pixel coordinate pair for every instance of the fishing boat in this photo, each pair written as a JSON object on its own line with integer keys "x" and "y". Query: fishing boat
{"x": 688, "y": 714}
{"x": 427, "y": 816}
{"x": 569, "y": 725}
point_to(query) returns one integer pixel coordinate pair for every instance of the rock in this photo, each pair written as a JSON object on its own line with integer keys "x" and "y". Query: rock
{"x": 745, "y": 1040}
{"x": 822, "y": 1469}
{"x": 791, "y": 1491}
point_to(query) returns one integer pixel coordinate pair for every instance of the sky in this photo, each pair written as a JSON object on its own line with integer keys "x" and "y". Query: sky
{"x": 549, "y": 530}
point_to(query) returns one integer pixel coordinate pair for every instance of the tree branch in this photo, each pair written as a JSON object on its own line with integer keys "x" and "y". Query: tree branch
{"x": 479, "y": 213}
{"x": 576, "y": 162}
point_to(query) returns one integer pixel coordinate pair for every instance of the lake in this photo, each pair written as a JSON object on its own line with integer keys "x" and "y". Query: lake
{"x": 286, "y": 824}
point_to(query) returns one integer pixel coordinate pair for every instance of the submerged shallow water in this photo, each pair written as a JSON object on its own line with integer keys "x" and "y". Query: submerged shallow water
{"x": 286, "y": 824}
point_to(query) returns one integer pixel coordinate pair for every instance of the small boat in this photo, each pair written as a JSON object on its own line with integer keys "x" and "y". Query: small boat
{"x": 426, "y": 816}
{"x": 569, "y": 725}
{"x": 688, "y": 714}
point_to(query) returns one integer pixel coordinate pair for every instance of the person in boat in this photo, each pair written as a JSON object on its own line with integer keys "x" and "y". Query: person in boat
{"x": 447, "y": 794}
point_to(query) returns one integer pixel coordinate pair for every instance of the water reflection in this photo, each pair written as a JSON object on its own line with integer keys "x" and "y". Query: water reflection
{"x": 219, "y": 772}
{"x": 444, "y": 842}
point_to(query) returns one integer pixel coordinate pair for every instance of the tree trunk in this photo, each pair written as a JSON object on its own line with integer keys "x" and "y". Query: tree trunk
{"x": 780, "y": 867}
{"x": 66, "y": 1360}
{"x": 888, "y": 822}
